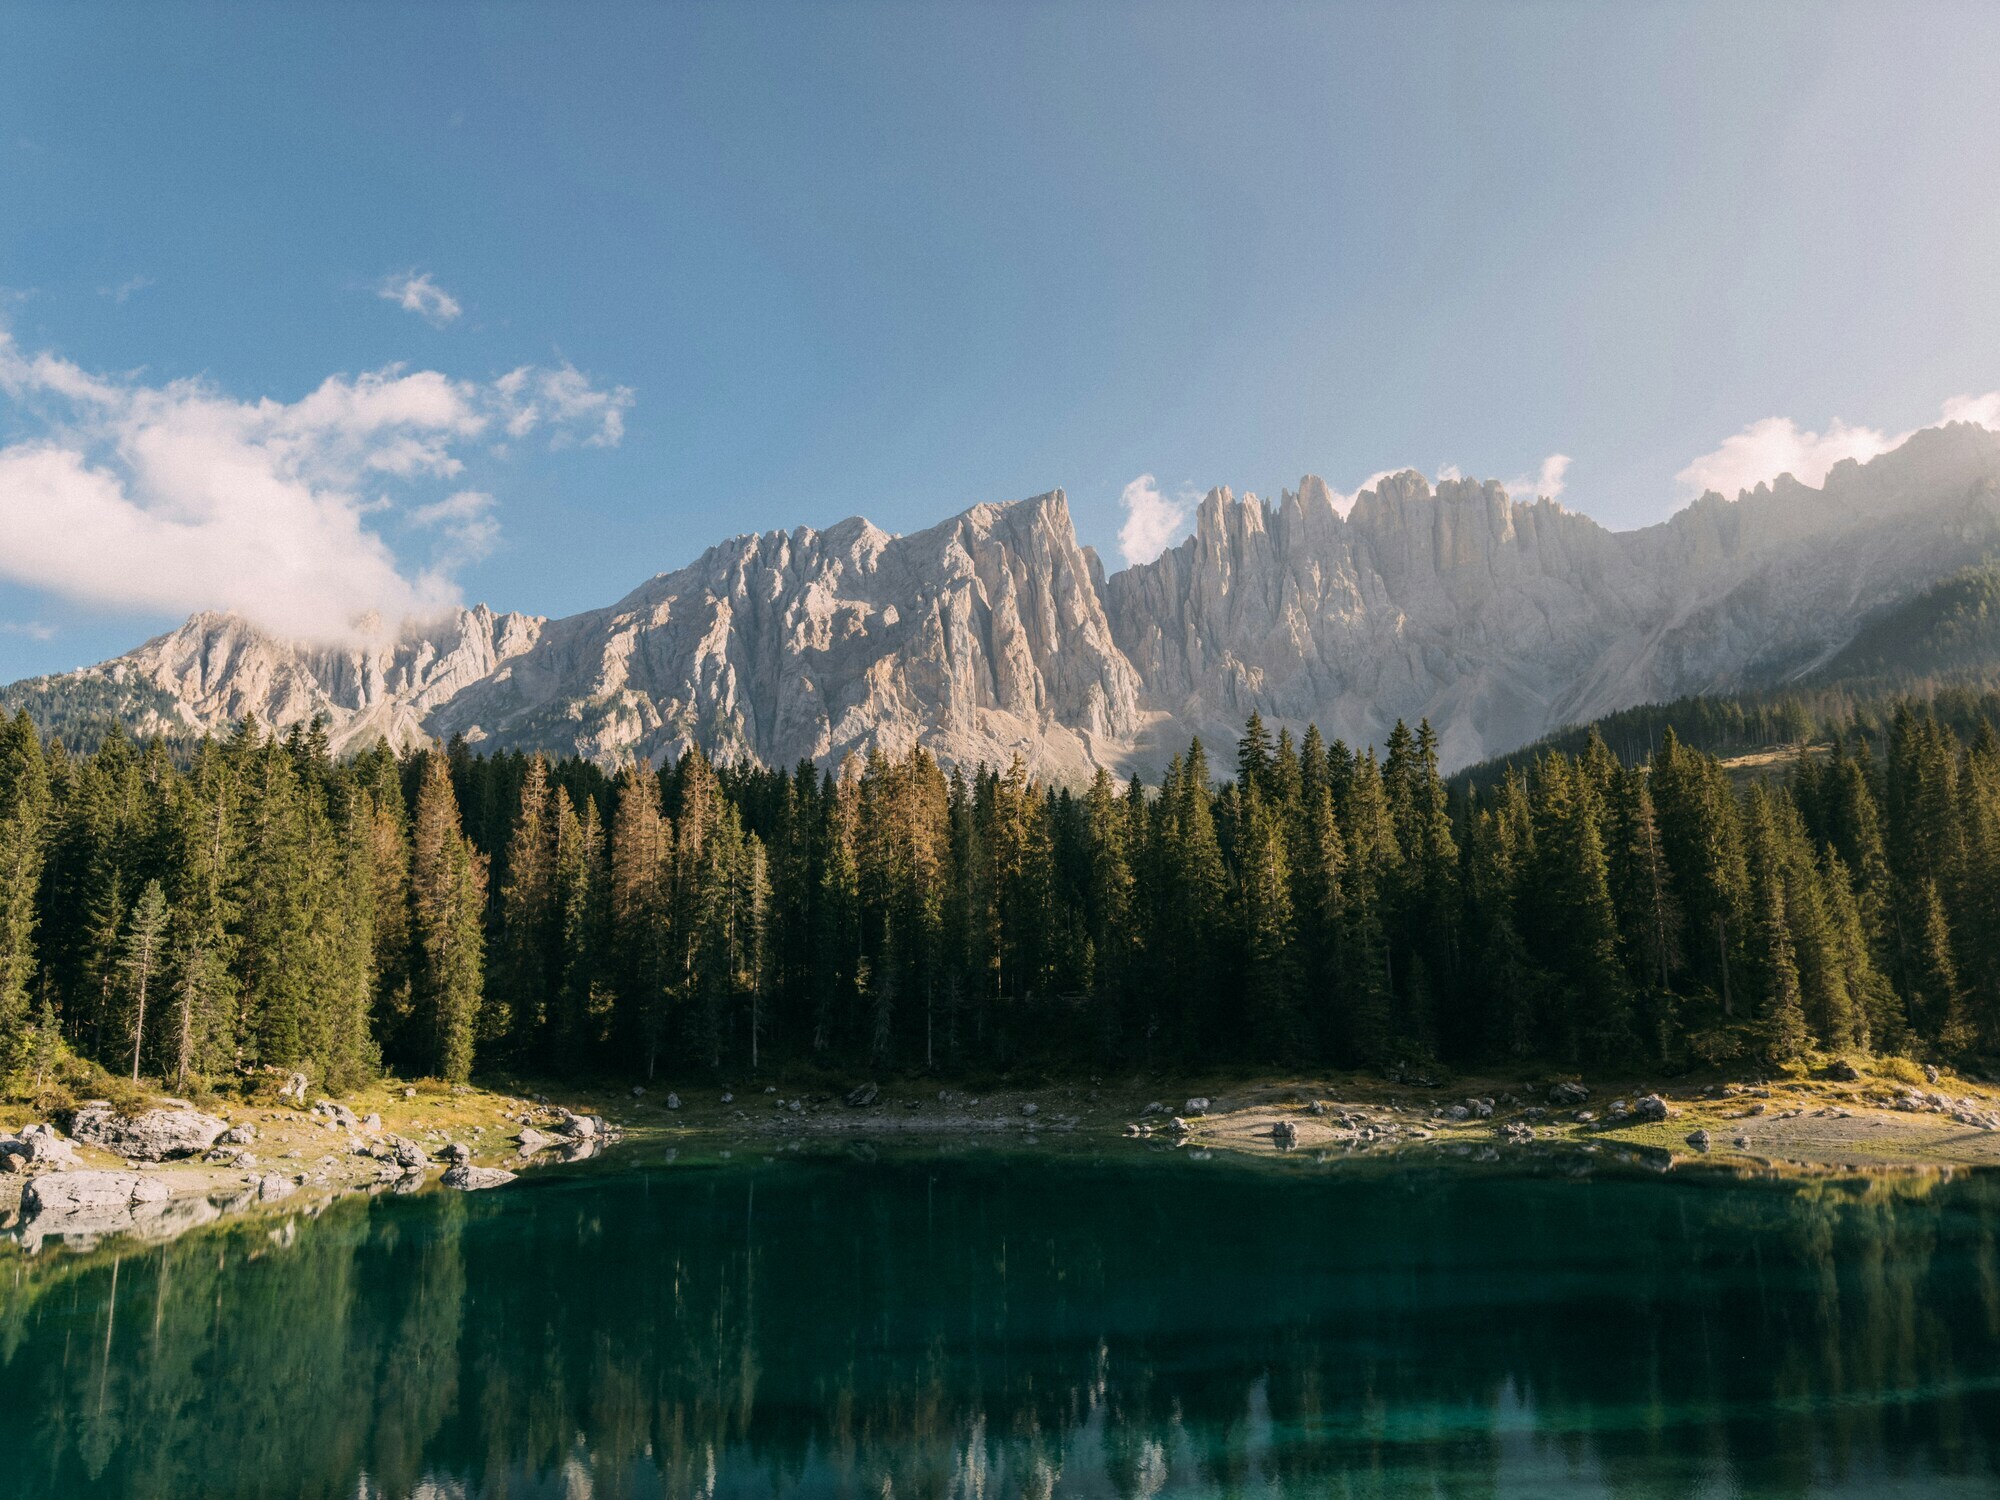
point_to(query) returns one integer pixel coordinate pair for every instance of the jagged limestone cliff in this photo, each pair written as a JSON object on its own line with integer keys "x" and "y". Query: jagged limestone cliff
{"x": 995, "y": 633}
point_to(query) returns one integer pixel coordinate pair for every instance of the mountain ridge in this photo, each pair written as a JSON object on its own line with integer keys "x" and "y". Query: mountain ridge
{"x": 995, "y": 632}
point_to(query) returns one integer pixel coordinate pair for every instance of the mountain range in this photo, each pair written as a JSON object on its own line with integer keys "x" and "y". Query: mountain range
{"x": 996, "y": 633}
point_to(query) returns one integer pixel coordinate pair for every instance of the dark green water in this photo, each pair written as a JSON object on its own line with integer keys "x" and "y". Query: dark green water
{"x": 981, "y": 1325}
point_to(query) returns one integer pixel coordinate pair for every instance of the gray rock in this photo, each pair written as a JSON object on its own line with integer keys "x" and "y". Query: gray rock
{"x": 152, "y": 1135}
{"x": 1652, "y": 1108}
{"x": 273, "y": 1186}
{"x": 1031, "y": 1108}
{"x": 372, "y": 1123}
{"x": 1196, "y": 1107}
{"x": 1699, "y": 1139}
{"x": 1285, "y": 1135}
{"x": 1567, "y": 1094}
{"x": 237, "y": 1135}
{"x": 863, "y": 1095}
{"x": 1931, "y": 1074}
{"x": 1842, "y": 1071}
{"x": 89, "y": 1192}
{"x": 337, "y": 1113}
{"x": 295, "y": 1090}
{"x": 457, "y": 1153}
{"x": 673, "y": 1101}
{"x": 1157, "y": 1107}
{"x": 532, "y": 1140}
{"x": 1457, "y": 1112}
{"x": 407, "y": 1154}
{"x": 471, "y": 1179}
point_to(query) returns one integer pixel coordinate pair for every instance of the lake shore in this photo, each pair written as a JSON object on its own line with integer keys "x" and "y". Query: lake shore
{"x": 1873, "y": 1121}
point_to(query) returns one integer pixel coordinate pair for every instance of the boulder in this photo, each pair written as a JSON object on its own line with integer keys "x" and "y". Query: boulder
{"x": 1031, "y": 1108}
{"x": 457, "y": 1153}
{"x": 532, "y": 1140}
{"x": 407, "y": 1154}
{"x": 673, "y": 1101}
{"x": 373, "y": 1122}
{"x": 863, "y": 1095}
{"x": 89, "y": 1193}
{"x": 470, "y": 1179}
{"x": 1652, "y": 1108}
{"x": 338, "y": 1113}
{"x": 1285, "y": 1135}
{"x": 273, "y": 1186}
{"x": 1157, "y": 1107}
{"x": 152, "y": 1135}
{"x": 1567, "y": 1094}
{"x": 38, "y": 1148}
{"x": 580, "y": 1127}
{"x": 294, "y": 1090}
{"x": 1840, "y": 1070}
{"x": 1699, "y": 1139}
{"x": 237, "y": 1135}
{"x": 1199, "y": 1105}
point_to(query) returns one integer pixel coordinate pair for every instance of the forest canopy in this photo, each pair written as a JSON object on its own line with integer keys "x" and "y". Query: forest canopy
{"x": 254, "y": 901}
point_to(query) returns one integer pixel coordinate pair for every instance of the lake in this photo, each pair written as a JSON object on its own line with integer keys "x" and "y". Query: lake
{"x": 980, "y": 1322}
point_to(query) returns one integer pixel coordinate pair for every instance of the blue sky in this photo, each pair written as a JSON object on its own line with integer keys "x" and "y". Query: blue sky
{"x": 658, "y": 274}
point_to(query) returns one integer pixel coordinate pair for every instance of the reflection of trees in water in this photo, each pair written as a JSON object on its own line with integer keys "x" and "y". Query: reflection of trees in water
{"x": 985, "y": 1331}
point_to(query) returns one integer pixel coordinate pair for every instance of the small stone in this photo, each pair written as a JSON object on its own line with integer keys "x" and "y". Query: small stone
{"x": 638, "y": 1091}
{"x": 1031, "y": 1108}
{"x": 673, "y": 1101}
{"x": 1199, "y": 1105}
{"x": 272, "y": 1186}
{"x": 1842, "y": 1071}
{"x": 1285, "y": 1135}
{"x": 1567, "y": 1093}
{"x": 1653, "y": 1108}
{"x": 728, "y": 1098}
{"x": 863, "y": 1095}
{"x": 1699, "y": 1139}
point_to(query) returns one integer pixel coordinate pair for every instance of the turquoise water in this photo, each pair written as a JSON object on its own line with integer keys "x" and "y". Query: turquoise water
{"x": 985, "y": 1324}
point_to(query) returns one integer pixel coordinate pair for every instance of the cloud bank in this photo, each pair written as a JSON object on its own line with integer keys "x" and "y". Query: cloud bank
{"x": 420, "y": 295}
{"x": 1778, "y": 445}
{"x": 177, "y": 497}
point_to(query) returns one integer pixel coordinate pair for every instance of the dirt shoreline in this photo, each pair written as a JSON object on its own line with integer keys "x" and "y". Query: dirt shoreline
{"x": 1871, "y": 1122}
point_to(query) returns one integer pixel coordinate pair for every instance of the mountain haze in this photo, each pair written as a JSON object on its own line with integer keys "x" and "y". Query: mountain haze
{"x": 996, "y": 633}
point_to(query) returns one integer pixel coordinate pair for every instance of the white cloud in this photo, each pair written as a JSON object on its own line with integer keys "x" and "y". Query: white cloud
{"x": 1545, "y": 483}
{"x": 1449, "y": 474}
{"x": 1153, "y": 522}
{"x": 35, "y": 630}
{"x": 421, "y": 295}
{"x": 529, "y": 397}
{"x": 177, "y": 497}
{"x": 1778, "y": 445}
{"x": 465, "y": 520}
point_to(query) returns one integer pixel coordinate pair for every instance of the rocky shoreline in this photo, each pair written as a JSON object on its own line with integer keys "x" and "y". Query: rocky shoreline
{"x": 154, "y": 1173}
{"x": 159, "y": 1171}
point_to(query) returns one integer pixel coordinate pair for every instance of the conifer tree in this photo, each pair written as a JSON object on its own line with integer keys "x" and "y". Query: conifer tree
{"x": 447, "y": 901}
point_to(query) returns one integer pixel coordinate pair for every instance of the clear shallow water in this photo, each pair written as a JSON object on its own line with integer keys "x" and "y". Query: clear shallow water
{"x": 986, "y": 1325}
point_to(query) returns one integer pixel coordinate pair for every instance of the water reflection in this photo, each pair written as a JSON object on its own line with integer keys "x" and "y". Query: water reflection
{"x": 992, "y": 1327}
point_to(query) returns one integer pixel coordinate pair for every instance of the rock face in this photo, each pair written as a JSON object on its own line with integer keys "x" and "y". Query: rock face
{"x": 996, "y": 633}
{"x": 154, "y": 1135}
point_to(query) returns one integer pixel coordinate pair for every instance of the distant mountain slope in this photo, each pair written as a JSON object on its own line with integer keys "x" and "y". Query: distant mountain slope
{"x": 1947, "y": 630}
{"x": 995, "y": 633}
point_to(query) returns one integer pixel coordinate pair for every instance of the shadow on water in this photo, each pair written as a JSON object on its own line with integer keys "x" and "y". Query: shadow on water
{"x": 989, "y": 1324}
